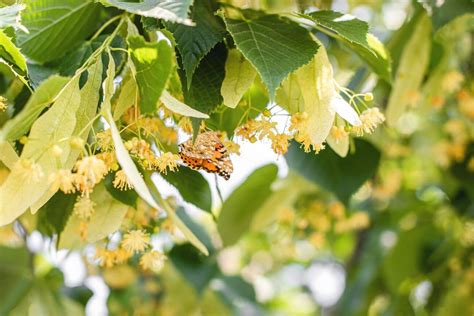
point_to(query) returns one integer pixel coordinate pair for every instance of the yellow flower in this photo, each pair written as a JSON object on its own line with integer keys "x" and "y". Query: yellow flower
{"x": 338, "y": 133}
{"x": 299, "y": 121}
{"x": 28, "y": 169}
{"x": 91, "y": 170}
{"x": 457, "y": 130}
{"x": 452, "y": 81}
{"x": 104, "y": 140}
{"x": 232, "y": 147}
{"x": 359, "y": 220}
{"x": 3, "y": 103}
{"x": 62, "y": 180}
{"x": 152, "y": 260}
{"x": 120, "y": 277}
{"x": 466, "y": 106}
{"x": 166, "y": 160}
{"x": 317, "y": 239}
{"x": 121, "y": 181}
{"x": 186, "y": 125}
{"x": 109, "y": 159}
{"x": 336, "y": 209}
{"x": 280, "y": 143}
{"x": 135, "y": 241}
{"x": 84, "y": 207}
{"x": 106, "y": 257}
{"x": 370, "y": 118}
{"x": 122, "y": 255}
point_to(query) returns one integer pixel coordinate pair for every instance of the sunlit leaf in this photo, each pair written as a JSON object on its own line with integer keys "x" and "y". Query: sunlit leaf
{"x": 239, "y": 76}
{"x": 274, "y": 45}
{"x": 153, "y": 62}
{"x": 11, "y": 54}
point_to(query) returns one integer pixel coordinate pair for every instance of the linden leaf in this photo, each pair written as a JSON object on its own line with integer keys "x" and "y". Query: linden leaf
{"x": 12, "y": 55}
{"x": 239, "y": 76}
{"x": 43, "y": 96}
{"x": 239, "y": 208}
{"x": 275, "y": 45}
{"x": 56, "y": 27}
{"x": 153, "y": 63}
{"x": 411, "y": 70}
{"x": 176, "y": 106}
{"x": 8, "y": 155}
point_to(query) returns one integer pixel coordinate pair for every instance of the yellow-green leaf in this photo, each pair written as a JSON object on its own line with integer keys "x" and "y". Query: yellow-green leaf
{"x": 176, "y": 106}
{"x": 106, "y": 219}
{"x": 8, "y": 155}
{"x": 239, "y": 76}
{"x": 411, "y": 70}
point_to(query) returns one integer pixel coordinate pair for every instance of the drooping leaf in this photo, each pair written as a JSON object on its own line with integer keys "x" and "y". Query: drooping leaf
{"x": 194, "y": 42}
{"x": 10, "y": 16}
{"x": 241, "y": 206}
{"x": 192, "y": 186}
{"x": 18, "y": 192}
{"x": 198, "y": 230}
{"x": 239, "y": 76}
{"x": 341, "y": 176}
{"x": 178, "y": 107}
{"x": 354, "y": 33}
{"x": 310, "y": 89}
{"x": 11, "y": 54}
{"x": 411, "y": 70}
{"x": 56, "y": 27}
{"x": 153, "y": 63}
{"x": 41, "y": 98}
{"x": 204, "y": 93}
{"x": 106, "y": 219}
{"x": 131, "y": 170}
{"x": 169, "y": 10}
{"x": 274, "y": 45}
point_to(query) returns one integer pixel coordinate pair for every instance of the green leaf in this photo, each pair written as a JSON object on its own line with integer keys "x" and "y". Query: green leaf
{"x": 450, "y": 10}
{"x": 194, "y": 42}
{"x": 204, "y": 93}
{"x": 310, "y": 89}
{"x": 341, "y": 176}
{"x": 345, "y": 25}
{"x": 274, "y": 45}
{"x": 131, "y": 170}
{"x": 239, "y": 76}
{"x": 10, "y": 16}
{"x": 153, "y": 63}
{"x": 12, "y": 55}
{"x": 169, "y": 10}
{"x": 192, "y": 186}
{"x": 53, "y": 216}
{"x": 354, "y": 33}
{"x": 195, "y": 268}
{"x": 176, "y": 106}
{"x": 411, "y": 70}
{"x": 39, "y": 100}
{"x": 56, "y": 27}
{"x": 128, "y": 197}
{"x": 240, "y": 207}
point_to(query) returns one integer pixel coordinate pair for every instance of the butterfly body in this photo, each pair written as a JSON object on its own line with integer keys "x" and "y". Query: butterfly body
{"x": 207, "y": 153}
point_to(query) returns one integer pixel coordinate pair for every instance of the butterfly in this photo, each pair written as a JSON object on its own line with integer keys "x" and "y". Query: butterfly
{"x": 208, "y": 153}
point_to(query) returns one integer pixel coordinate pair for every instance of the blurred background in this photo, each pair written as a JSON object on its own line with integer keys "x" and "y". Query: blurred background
{"x": 403, "y": 245}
